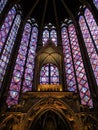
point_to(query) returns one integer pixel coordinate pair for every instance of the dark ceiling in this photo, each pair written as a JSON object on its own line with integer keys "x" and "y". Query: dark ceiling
{"x": 56, "y": 10}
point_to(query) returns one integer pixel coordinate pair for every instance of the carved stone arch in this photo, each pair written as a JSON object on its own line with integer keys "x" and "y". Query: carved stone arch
{"x": 9, "y": 122}
{"x": 57, "y": 106}
{"x": 55, "y": 112}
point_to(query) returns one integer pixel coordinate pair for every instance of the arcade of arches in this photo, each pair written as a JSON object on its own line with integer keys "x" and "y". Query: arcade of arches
{"x": 49, "y": 65}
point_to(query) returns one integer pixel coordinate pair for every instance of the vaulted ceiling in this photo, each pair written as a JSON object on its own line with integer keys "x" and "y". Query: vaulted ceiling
{"x": 50, "y": 11}
{"x": 49, "y": 54}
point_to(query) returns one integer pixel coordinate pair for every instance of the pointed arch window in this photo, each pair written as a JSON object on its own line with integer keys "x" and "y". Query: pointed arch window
{"x": 53, "y": 36}
{"x": 45, "y": 36}
{"x": 28, "y": 77}
{"x": 8, "y": 33}
{"x": 90, "y": 30}
{"x": 92, "y": 26}
{"x": 69, "y": 68}
{"x": 49, "y": 33}
{"x": 2, "y": 5}
{"x": 74, "y": 68}
{"x": 23, "y": 71}
{"x": 49, "y": 74}
{"x": 95, "y": 3}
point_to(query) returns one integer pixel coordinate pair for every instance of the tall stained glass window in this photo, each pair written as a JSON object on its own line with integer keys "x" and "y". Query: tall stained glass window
{"x": 8, "y": 33}
{"x": 90, "y": 30}
{"x": 2, "y": 5}
{"x": 69, "y": 68}
{"x": 23, "y": 71}
{"x": 53, "y": 36}
{"x": 28, "y": 77}
{"x": 49, "y": 74}
{"x": 95, "y": 3}
{"x": 45, "y": 36}
{"x": 5, "y": 29}
{"x": 74, "y": 68}
{"x": 49, "y": 33}
{"x": 92, "y": 26}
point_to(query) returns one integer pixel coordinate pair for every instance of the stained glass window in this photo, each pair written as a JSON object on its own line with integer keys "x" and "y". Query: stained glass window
{"x": 70, "y": 76}
{"x": 49, "y": 74}
{"x": 44, "y": 74}
{"x": 8, "y": 40}
{"x": 6, "y": 27}
{"x": 92, "y": 26}
{"x": 2, "y": 5}
{"x": 23, "y": 71}
{"x": 19, "y": 67}
{"x": 95, "y": 3}
{"x": 53, "y": 36}
{"x": 74, "y": 65}
{"x": 54, "y": 74}
{"x": 49, "y": 33}
{"x": 90, "y": 46}
{"x": 45, "y": 36}
{"x": 79, "y": 68}
{"x": 28, "y": 77}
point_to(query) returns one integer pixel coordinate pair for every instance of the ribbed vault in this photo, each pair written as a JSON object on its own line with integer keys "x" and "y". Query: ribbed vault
{"x": 49, "y": 54}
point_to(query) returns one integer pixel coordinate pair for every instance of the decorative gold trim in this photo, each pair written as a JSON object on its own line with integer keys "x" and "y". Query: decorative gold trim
{"x": 49, "y": 87}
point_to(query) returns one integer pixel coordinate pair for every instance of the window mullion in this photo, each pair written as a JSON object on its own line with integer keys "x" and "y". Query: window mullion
{"x": 49, "y": 74}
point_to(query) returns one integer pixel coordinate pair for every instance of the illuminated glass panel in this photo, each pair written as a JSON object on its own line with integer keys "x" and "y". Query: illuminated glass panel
{"x": 8, "y": 47}
{"x": 45, "y": 36}
{"x": 54, "y": 74}
{"x": 44, "y": 74}
{"x": 49, "y": 34}
{"x": 92, "y": 26}
{"x": 49, "y": 74}
{"x": 79, "y": 67}
{"x": 19, "y": 67}
{"x": 2, "y": 5}
{"x": 90, "y": 47}
{"x": 95, "y": 3}
{"x": 28, "y": 77}
{"x": 53, "y": 36}
{"x": 6, "y": 27}
{"x": 70, "y": 76}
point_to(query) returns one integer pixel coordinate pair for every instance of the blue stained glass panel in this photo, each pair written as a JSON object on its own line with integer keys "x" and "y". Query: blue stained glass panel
{"x": 2, "y": 5}
{"x": 45, "y": 36}
{"x": 53, "y": 36}
{"x": 6, "y": 27}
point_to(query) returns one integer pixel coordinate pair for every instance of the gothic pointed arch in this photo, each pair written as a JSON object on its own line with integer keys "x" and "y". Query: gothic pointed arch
{"x": 48, "y": 62}
{"x": 63, "y": 110}
{"x": 49, "y": 32}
